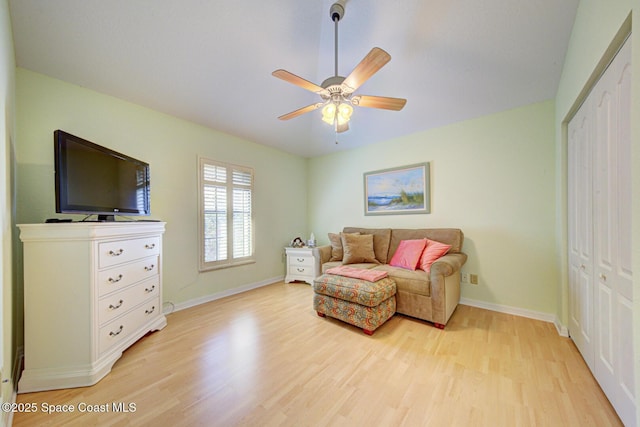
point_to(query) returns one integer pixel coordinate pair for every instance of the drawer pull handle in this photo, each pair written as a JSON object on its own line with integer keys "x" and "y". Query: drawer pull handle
{"x": 153, "y": 308}
{"x": 300, "y": 270}
{"x": 115, "y": 307}
{"x": 147, "y": 290}
{"x": 150, "y": 246}
{"x": 114, "y": 334}
{"x": 116, "y": 280}
{"x": 149, "y": 268}
{"x": 603, "y": 277}
{"x": 300, "y": 259}
{"x": 116, "y": 253}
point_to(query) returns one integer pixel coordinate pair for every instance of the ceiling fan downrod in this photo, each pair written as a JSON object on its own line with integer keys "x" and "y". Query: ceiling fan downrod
{"x": 336, "y": 12}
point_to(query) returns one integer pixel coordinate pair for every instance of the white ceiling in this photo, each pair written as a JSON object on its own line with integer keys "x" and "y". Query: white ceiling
{"x": 210, "y": 61}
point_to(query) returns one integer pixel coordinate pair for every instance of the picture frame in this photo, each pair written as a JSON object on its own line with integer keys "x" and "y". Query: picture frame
{"x": 397, "y": 191}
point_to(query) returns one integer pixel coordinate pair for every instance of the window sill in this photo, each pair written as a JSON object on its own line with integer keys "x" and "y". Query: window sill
{"x": 205, "y": 268}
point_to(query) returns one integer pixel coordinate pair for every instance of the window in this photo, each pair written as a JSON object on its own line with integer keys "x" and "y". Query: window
{"x": 226, "y": 215}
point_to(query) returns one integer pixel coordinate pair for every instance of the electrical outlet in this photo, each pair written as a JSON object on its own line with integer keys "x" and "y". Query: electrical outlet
{"x": 465, "y": 277}
{"x": 473, "y": 279}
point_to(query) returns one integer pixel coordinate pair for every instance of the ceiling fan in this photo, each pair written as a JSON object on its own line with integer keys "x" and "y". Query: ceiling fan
{"x": 337, "y": 91}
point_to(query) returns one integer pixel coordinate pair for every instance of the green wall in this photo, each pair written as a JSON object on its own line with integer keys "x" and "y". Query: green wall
{"x": 8, "y": 281}
{"x": 493, "y": 177}
{"x": 171, "y": 146}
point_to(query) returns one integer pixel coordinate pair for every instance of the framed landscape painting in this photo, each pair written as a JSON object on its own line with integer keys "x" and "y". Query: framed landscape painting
{"x": 402, "y": 190}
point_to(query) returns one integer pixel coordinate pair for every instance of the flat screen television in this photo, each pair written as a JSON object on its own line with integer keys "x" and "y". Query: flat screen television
{"x": 95, "y": 180}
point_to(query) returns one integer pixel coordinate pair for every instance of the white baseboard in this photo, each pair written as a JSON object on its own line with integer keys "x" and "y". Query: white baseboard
{"x": 531, "y": 314}
{"x": 208, "y": 298}
{"x": 523, "y": 312}
{"x": 6, "y": 419}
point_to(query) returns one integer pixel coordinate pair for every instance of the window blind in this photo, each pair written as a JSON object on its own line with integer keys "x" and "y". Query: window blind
{"x": 226, "y": 218}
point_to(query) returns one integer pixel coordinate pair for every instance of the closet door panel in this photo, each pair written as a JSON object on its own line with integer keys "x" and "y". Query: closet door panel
{"x": 604, "y": 209}
{"x": 585, "y": 191}
{"x": 605, "y": 199}
{"x": 572, "y": 193}
{"x": 623, "y": 178}
{"x": 580, "y": 234}
{"x": 625, "y": 356}
{"x": 605, "y": 349}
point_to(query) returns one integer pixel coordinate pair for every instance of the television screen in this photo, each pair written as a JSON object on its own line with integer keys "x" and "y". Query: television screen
{"x": 92, "y": 179}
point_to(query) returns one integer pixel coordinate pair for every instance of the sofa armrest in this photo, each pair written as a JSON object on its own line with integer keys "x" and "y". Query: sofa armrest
{"x": 445, "y": 286}
{"x": 322, "y": 253}
{"x": 448, "y": 264}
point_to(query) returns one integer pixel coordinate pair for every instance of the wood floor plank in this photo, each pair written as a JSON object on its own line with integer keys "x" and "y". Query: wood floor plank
{"x": 265, "y": 358}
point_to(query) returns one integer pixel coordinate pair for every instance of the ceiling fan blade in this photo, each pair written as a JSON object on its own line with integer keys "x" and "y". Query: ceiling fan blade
{"x": 371, "y": 63}
{"x": 299, "y": 81}
{"x": 383, "y": 102}
{"x": 300, "y": 111}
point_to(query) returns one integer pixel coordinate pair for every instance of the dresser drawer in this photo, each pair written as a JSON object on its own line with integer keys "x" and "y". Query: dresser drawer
{"x": 121, "y": 276}
{"x": 120, "y": 329}
{"x": 122, "y": 251}
{"x": 116, "y": 304}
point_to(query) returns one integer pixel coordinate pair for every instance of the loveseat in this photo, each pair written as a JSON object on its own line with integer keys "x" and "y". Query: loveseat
{"x": 431, "y": 296}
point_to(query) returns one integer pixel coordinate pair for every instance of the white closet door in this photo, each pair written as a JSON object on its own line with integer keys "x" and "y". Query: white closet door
{"x": 600, "y": 273}
{"x": 612, "y": 225}
{"x": 580, "y": 193}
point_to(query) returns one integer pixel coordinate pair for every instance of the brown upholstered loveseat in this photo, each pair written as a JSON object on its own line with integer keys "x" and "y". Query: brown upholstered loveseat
{"x": 429, "y": 296}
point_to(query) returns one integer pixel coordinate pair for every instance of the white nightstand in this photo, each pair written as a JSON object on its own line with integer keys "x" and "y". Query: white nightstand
{"x": 301, "y": 265}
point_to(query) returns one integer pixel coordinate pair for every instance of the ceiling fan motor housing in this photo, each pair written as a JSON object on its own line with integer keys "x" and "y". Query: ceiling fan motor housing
{"x": 337, "y": 92}
{"x": 332, "y": 81}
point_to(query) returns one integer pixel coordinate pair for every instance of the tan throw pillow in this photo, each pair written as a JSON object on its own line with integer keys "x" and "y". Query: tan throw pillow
{"x": 336, "y": 246}
{"x": 358, "y": 248}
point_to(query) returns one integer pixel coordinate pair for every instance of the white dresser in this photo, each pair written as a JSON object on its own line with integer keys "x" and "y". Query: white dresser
{"x": 90, "y": 291}
{"x": 301, "y": 265}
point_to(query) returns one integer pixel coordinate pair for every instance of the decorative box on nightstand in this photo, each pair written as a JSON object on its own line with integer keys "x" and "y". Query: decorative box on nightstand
{"x": 301, "y": 265}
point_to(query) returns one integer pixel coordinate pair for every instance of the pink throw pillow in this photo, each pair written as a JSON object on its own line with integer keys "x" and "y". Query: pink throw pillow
{"x": 408, "y": 254}
{"x": 432, "y": 252}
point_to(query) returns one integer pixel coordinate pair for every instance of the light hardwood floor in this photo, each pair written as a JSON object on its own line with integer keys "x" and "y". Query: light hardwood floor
{"x": 264, "y": 358}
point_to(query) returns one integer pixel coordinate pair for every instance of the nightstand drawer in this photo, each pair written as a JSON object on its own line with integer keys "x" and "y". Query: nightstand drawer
{"x": 298, "y": 270}
{"x": 302, "y": 261}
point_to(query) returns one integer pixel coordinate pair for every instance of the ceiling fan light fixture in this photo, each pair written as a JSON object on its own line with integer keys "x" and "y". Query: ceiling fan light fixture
{"x": 337, "y": 111}
{"x": 329, "y": 113}
{"x": 344, "y": 113}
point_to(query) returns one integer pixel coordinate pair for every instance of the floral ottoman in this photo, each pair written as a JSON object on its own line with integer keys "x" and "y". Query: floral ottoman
{"x": 358, "y": 302}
